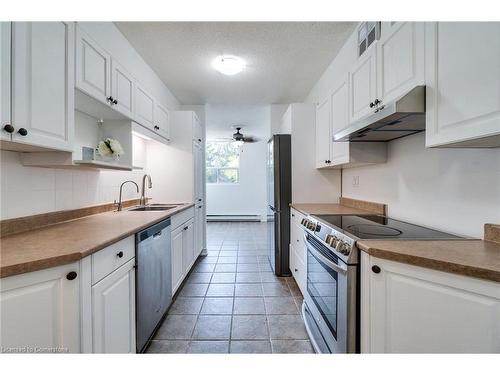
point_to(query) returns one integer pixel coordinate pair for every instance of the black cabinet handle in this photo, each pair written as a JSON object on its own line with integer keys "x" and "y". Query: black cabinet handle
{"x": 376, "y": 269}
{"x": 115, "y": 101}
{"x": 293, "y": 215}
{"x": 200, "y": 206}
{"x": 296, "y": 270}
{"x": 120, "y": 254}
{"x": 372, "y": 105}
{"x": 9, "y": 128}
{"x": 157, "y": 127}
{"x": 199, "y": 139}
{"x": 72, "y": 275}
{"x": 23, "y": 132}
{"x": 109, "y": 99}
{"x": 377, "y": 102}
{"x": 186, "y": 228}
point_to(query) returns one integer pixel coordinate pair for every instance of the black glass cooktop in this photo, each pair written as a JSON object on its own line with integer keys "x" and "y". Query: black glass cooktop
{"x": 380, "y": 227}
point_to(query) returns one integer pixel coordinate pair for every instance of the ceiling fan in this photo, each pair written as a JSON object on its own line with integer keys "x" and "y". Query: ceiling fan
{"x": 240, "y": 138}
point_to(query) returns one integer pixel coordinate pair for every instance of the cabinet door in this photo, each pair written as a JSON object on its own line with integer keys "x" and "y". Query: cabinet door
{"x": 144, "y": 110}
{"x": 162, "y": 121}
{"x": 418, "y": 310}
{"x": 41, "y": 310}
{"x": 339, "y": 110}
{"x": 177, "y": 258}
{"x": 198, "y": 130}
{"x": 113, "y": 304}
{"x": 93, "y": 67}
{"x": 122, "y": 89}
{"x": 298, "y": 268}
{"x": 42, "y": 84}
{"x": 4, "y": 79}
{"x": 462, "y": 83}
{"x": 199, "y": 229}
{"x": 323, "y": 137}
{"x": 400, "y": 56}
{"x": 188, "y": 253}
{"x": 363, "y": 84}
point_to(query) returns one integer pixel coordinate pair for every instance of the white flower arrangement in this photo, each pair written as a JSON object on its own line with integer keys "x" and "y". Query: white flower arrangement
{"x": 110, "y": 147}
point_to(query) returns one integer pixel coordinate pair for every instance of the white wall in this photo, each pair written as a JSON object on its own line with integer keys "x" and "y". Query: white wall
{"x": 456, "y": 190}
{"x": 249, "y": 196}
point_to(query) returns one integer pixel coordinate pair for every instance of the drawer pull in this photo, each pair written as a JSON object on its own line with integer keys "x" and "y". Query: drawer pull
{"x": 120, "y": 254}
{"x": 71, "y": 275}
{"x": 376, "y": 269}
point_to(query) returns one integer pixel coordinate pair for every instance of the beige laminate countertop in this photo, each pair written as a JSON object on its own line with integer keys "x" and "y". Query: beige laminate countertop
{"x": 475, "y": 258}
{"x": 328, "y": 209}
{"x": 73, "y": 240}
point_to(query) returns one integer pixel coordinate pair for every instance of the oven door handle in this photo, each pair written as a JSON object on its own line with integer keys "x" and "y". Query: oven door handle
{"x": 328, "y": 262}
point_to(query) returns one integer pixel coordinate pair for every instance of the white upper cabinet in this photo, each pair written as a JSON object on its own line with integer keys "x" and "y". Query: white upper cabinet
{"x": 162, "y": 121}
{"x": 122, "y": 89}
{"x": 339, "y": 113}
{"x": 463, "y": 84}
{"x": 363, "y": 84}
{"x": 198, "y": 129}
{"x": 42, "y": 84}
{"x": 93, "y": 68}
{"x": 400, "y": 57}
{"x": 145, "y": 107}
{"x": 41, "y": 309}
{"x": 323, "y": 136}
{"x": 5, "y": 80}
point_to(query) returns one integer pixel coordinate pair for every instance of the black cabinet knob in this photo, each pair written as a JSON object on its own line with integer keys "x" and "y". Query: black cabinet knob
{"x": 377, "y": 101}
{"x": 186, "y": 228}
{"x": 199, "y": 139}
{"x": 200, "y": 206}
{"x": 9, "y": 128}
{"x": 23, "y": 132}
{"x": 157, "y": 127}
{"x": 120, "y": 254}
{"x": 372, "y": 105}
{"x": 296, "y": 270}
{"x": 72, "y": 275}
{"x": 109, "y": 99}
{"x": 115, "y": 101}
{"x": 376, "y": 269}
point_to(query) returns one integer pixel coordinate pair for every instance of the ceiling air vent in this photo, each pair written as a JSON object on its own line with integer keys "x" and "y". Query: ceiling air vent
{"x": 368, "y": 32}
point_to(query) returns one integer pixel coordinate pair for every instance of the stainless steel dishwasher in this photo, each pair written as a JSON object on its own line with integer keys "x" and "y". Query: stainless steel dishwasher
{"x": 153, "y": 280}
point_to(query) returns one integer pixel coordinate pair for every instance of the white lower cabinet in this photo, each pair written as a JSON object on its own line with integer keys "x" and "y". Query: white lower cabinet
{"x": 183, "y": 254}
{"x": 40, "y": 311}
{"x": 298, "y": 265}
{"x": 409, "y": 309}
{"x": 113, "y": 308}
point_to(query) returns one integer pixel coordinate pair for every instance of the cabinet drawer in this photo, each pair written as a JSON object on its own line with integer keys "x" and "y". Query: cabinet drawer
{"x": 297, "y": 216}
{"x": 182, "y": 217}
{"x": 107, "y": 260}
{"x": 297, "y": 240}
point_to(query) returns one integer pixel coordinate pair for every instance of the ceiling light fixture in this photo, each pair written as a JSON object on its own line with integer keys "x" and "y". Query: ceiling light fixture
{"x": 228, "y": 64}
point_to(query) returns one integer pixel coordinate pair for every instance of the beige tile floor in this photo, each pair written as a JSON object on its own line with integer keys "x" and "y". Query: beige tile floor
{"x": 232, "y": 302}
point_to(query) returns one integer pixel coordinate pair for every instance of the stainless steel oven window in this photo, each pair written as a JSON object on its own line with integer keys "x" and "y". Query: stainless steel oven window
{"x": 322, "y": 284}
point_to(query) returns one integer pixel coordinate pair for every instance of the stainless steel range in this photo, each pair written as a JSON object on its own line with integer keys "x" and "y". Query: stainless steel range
{"x": 331, "y": 302}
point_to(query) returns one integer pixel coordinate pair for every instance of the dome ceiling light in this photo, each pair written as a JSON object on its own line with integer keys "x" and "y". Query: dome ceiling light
{"x": 228, "y": 64}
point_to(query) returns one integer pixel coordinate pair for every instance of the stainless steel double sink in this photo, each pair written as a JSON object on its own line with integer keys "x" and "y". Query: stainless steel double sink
{"x": 155, "y": 207}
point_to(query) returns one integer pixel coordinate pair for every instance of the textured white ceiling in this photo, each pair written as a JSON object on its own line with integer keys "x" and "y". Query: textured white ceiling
{"x": 284, "y": 59}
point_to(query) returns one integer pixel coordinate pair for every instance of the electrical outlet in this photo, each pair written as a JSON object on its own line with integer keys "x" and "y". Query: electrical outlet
{"x": 355, "y": 181}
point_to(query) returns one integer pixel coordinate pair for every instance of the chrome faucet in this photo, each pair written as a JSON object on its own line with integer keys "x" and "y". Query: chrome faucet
{"x": 143, "y": 200}
{"x": 119, "y": 204}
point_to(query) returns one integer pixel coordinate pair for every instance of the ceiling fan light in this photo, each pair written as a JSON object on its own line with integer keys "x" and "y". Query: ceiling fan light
{"x": 228, "y": 64}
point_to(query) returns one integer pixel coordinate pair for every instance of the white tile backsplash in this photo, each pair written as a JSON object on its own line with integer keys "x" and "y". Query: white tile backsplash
{"x": 31, "y": 190}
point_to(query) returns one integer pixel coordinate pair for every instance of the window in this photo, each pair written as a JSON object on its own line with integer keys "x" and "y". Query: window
{"x": 223, "y": 160}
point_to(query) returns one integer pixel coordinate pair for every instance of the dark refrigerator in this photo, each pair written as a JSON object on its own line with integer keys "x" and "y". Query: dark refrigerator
{"x": 279, "y": 197}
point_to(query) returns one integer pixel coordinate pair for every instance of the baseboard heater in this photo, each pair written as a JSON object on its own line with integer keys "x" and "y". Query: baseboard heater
{"x": 233, "y": 217}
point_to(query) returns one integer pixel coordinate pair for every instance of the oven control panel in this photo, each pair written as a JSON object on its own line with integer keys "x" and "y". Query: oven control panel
{"x": 335, "y": 239}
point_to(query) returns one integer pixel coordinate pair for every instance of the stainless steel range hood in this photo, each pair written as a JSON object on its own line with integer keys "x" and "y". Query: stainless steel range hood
{"x": 405, "y": 116}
